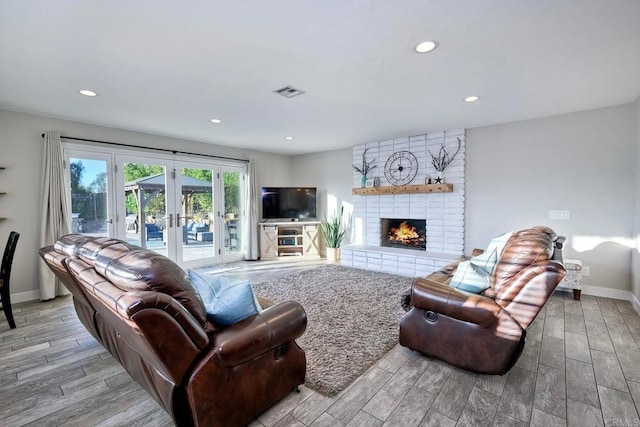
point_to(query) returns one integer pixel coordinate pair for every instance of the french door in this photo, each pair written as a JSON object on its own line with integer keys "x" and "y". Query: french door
{"x": 210, "y": 212}
{"x": 90, "y": 183}
{"x": 144, "y": 191}
{"x": 196, "y": 214}
{"x": 188, "y": 210}
{"x": 234, "y": 219}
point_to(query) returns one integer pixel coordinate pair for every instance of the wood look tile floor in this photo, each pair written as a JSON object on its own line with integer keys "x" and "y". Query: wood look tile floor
{"x": 580, "y": 367}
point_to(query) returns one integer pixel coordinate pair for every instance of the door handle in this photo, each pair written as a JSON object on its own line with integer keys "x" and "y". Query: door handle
{"x": 170, "y": 220}
{"x": 109, "y": 221}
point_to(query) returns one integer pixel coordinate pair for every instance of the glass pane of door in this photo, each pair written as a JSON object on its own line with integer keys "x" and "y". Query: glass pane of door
{"x": 145, "y": 205}
{"x": 233, "y": 182}
{"x": 88, "y": 180}
{"x": 197, "y": 215}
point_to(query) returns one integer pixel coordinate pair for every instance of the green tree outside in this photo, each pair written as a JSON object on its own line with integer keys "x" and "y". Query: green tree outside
{"x": 76, "y": 169}
{"x": 203, "y": 202}
{"x": 134, "y": 171}
{"x": 90, "y": 201}
{"x": 99, "y": 183}
{"x": 231, "y": 182}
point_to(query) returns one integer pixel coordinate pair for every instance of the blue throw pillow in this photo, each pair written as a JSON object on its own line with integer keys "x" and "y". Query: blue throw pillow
{"x": 226, "y": 301}
{"x": 474, "y": 275}
{"x": 470, "y": 278}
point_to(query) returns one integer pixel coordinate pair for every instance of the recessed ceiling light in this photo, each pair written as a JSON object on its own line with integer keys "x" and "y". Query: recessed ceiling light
{"x": 289, "y": 138}
{"x": 216, "y": 121}
{"x": 425, "y": 47}
{"x": 86, "y": 92}
{"x": 472, "y": 98}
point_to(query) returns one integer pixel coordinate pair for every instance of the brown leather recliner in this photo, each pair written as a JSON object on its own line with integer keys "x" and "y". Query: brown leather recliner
{"x": 485, "y": 333}
{"x": 144, "y": 310}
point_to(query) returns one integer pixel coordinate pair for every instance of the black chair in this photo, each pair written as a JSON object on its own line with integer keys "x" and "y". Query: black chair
{"x": 5, "y": 274}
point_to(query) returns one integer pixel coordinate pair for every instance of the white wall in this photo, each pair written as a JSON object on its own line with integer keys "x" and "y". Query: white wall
{"x": 582, "y": 162}
{"x": 21, "y": 153}
{"x": 330, "y": 173}
{"x": 636, "y": 223}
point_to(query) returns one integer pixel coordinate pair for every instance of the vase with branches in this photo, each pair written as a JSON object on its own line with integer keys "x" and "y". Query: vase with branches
{"x": 365, "y": 167}
{"x": 442, "y": 160}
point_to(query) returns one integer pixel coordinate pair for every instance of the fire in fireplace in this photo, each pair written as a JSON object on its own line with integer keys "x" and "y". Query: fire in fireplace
{"x": 404, "y": 233}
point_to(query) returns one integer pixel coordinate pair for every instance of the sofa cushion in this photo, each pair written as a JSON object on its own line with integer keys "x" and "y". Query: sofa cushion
{"x": 136, "y": 269}
{"x": 88, "y": 251}
{"x": 72, "y": 243}
{"x": 227, "y": 301}
{"x": 523, "y": 249}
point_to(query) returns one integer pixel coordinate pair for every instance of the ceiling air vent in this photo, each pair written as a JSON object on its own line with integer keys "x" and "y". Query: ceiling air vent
{"x": 289, "y": 92}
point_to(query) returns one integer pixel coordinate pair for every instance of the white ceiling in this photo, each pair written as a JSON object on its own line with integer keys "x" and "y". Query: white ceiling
{"x": 167, "y": 67}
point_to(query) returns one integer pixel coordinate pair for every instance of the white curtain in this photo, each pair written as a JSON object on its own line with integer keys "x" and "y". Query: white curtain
{"x": 55, "y": 212}
{"x": 251, "y": 249}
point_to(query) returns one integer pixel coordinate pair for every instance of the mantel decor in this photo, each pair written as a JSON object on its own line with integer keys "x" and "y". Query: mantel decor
{"x": 365, "y": 168}
{"x": 403, "y": 189}
{"x": 401, "y": 168}
{"x": 442, "y": 160}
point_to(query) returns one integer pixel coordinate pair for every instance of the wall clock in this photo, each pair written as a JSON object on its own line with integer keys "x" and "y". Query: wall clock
{"x": 401, "y": 168}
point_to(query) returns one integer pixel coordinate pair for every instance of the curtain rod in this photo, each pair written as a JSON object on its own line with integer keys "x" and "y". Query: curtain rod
{"x": 166, "y": 150}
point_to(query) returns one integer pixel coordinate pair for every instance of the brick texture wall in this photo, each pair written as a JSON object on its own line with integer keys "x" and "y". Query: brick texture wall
{"x": 444, "y": 212}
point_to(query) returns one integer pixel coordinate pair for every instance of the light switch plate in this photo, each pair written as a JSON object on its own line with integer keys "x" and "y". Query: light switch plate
{"x": 586, "y": 270}
{"x": 560, "y": 215}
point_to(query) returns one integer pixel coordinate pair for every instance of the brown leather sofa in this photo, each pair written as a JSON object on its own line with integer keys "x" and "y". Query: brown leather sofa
{"x": 144, "y": 310}
{"x": 485, "y": 333}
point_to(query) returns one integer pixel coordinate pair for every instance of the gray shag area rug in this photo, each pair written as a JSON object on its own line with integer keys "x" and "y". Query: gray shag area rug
{"x": 353, "y": 319}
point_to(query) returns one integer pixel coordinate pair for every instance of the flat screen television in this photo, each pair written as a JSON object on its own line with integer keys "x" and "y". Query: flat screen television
{"x": 288, "y": 202}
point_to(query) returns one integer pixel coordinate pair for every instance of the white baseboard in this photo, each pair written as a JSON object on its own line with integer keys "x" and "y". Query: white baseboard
{"x": 598, "y": 291}
{"x": 635, "y": 303}
{"x": 25, "y": 296}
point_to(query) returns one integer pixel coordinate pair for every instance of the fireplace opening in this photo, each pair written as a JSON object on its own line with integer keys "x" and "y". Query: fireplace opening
{"x": 404, "y": 233}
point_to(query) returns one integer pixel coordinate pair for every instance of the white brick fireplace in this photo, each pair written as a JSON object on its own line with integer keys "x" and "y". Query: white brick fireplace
{"x": 443, "y": 212}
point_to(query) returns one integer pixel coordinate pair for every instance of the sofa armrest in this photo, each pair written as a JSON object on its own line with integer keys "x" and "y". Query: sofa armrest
{"x": 429, "y": 295}
{"x": 273, "y": 327}
{"x": 133, "y": 303}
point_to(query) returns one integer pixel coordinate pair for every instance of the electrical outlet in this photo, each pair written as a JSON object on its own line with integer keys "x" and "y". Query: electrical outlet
{"x": 586, "y": 271}
{"x": 560, "y": 215}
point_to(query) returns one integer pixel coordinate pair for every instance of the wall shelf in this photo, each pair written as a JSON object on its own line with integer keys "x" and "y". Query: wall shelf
{"x": 2, "y": 193}
{"x": 403, "y": 189}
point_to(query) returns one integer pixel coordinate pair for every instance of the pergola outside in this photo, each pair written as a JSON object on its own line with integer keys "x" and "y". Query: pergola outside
{"x": 146, "y": 189}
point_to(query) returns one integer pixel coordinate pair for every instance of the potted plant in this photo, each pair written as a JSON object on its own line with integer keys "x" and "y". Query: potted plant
{"x": 333, "y": 231}
{"x": 442, "y": 160}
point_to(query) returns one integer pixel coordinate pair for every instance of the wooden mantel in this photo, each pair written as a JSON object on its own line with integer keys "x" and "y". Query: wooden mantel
{"x": 403, "y": 189}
